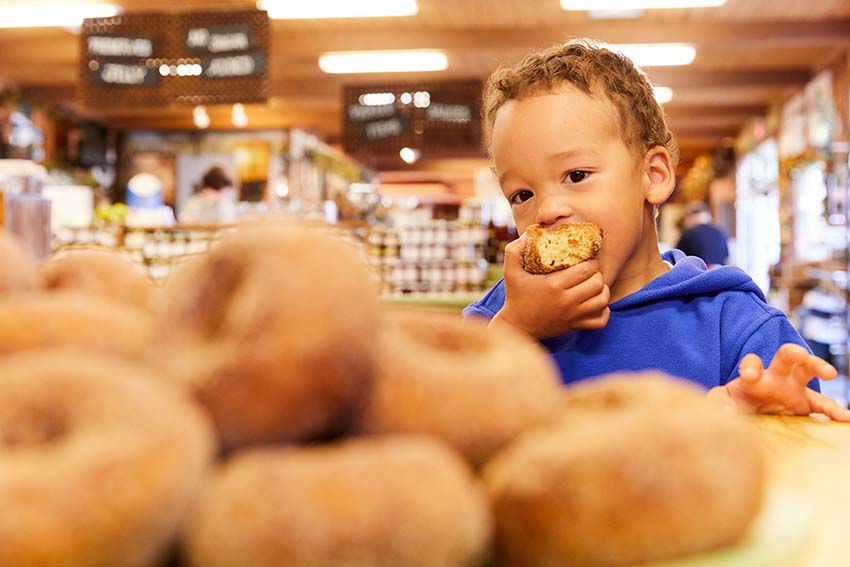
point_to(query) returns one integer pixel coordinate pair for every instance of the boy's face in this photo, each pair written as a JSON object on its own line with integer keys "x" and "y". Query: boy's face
{"x": 561, "y": 159}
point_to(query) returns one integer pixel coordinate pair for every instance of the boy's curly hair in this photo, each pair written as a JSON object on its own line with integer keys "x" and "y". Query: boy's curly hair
{"x": 594, "y": 70}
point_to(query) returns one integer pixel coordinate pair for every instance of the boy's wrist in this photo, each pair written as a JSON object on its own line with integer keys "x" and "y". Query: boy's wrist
{"x": 504, "y": 317}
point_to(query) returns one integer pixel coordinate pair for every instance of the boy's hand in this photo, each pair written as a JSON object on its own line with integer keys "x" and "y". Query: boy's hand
{"x": 781, "y": 388}
{"x": 550, "y": 305}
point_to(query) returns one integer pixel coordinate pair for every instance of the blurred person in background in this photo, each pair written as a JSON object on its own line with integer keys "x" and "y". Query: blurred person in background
{"x": 702, "y": 239}
{"x": 214, "y": 201}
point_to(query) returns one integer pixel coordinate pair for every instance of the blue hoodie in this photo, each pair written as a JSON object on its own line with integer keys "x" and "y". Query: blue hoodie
{"x": 689, "y": 322}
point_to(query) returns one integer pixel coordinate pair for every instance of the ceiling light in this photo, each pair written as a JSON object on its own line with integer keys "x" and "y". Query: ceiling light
{"x": 614, "y": 14}
{"x": 238, "y": 115}
{"x": 585, "y": 5}
{"x": 410, "y": 155}
{"x": 657, "y": 54}
{"x": 200, "y": 117}
{"x": 376, "y": 99}
{"x": 662, "y": 94}
{"x": 52, "y": 14}
{"x": 299, "y": 10}
{"x": 383, "y": 61}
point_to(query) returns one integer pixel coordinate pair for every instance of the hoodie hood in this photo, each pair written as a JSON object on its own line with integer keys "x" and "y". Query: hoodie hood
{"x": 689, "y": 277}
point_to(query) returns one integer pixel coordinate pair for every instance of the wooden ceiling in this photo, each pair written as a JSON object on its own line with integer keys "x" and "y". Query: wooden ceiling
{"x": 750, "y": 53}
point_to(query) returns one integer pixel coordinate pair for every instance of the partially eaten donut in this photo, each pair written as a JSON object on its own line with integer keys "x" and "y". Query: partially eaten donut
{"x": 548, "y": 251}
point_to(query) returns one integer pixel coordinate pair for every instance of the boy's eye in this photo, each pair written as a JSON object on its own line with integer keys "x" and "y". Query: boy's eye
{"x": 577, "y": 176}
{"x": 521, "y": 196}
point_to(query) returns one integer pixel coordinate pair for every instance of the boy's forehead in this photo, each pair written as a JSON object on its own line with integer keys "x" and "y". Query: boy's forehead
{"x": 567, "y": 103}
{"x": 554, "y": 121}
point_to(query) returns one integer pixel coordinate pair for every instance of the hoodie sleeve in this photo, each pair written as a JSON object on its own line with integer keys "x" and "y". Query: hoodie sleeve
{"x": 763, "y": 337}
{"x": 489, "y": 305}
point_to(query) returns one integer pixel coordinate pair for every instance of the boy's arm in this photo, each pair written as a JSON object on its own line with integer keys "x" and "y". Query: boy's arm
{"x": 781, "y": 388}
{"x": 551, "y": 305}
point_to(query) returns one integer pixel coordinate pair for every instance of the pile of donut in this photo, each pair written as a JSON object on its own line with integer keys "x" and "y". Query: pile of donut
{"x": 262, "y": 408}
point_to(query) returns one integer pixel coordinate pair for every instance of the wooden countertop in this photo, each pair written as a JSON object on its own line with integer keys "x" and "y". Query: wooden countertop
{"x": 811, "y": 458}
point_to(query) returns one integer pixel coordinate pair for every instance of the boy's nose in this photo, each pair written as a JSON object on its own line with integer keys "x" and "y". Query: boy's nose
{"x": 552, "y": 213}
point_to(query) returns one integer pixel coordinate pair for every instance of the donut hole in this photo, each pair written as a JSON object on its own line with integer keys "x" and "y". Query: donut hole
{"x": 32, "y": 425}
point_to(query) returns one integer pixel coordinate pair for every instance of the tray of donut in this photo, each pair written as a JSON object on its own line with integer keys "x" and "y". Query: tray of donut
{"x": 263, "y": 407}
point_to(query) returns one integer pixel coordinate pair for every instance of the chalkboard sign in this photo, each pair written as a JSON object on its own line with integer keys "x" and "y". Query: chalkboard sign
{"x": 159, "y": 59}
{"x": 440, "y": 117}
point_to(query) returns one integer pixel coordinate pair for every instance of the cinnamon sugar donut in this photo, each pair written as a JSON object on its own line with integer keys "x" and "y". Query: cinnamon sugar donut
{"x": 396, "y": 501}
{"x": 473, "y": 386}
{"x": 18, "y": 270}
{"x": 272, "y": 331}
{"x": 104, "y": 274}
{"x": 98, "y": 462}
{"x": 42, "y": 320}
{"x": 627, "y": 390}
{"x": 626, "y": 484}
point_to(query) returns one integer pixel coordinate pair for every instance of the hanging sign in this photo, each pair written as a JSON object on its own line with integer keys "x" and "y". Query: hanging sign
{"x": 160, "y": 59}
{"x": 436, "y": 117}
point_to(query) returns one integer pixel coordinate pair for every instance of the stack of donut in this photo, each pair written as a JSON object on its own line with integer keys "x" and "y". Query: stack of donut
{"x": 262, "y": 408}
{"x": 99, "y": 460}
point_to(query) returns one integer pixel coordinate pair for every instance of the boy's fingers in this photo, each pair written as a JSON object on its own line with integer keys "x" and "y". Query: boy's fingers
{"x": 585, "y": 291}
{"x": 514, "y": 270}
{"x": 827, "y": 406}
{"x": 786, "y": 358}
{"x": 816, "y": 366}
{"x": 513, "y": 252}
{"x": 594, "y": 322}
{"x": 597, "y": 302}
{"x": 575, "y": 275}
{"x": 751, "y": 368}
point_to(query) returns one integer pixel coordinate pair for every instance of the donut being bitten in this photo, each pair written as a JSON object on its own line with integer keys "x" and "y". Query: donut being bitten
{"x": 475, "y": 387}
{"x": 550, "y": 250}
{"x": 627, "y": 483}
{"x": 394, "y": 501}
{"x": 272, "y": 333}
{"x": 98, "y": 461}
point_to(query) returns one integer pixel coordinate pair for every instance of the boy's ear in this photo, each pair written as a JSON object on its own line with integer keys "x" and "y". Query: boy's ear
{"x": 660, "y": 175}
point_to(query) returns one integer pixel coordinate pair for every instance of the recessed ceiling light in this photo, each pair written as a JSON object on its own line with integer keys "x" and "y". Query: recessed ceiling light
{"x": 657, "y": 54}
{"x": 662, "y": 94}
{"x": 586, "y": 5}
{"x": 383, "y": 61}
{"x": 410, "y": 155}
{"x": 52, "y": 14}
{"x": 301, "y": 9}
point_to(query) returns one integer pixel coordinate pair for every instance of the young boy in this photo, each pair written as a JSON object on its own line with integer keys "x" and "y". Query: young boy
{"x": 576, "y": 136}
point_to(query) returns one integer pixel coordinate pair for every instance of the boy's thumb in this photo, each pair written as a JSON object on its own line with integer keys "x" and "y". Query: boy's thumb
{"x": 514, "y": 251}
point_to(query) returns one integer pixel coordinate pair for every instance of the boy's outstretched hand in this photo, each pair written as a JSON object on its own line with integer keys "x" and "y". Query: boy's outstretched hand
{"x": 550, "y": 305}
{"x": 780, "y": 388}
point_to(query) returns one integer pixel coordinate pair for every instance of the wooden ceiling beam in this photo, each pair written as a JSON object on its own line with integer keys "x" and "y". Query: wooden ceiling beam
{"x": 690, "y": 78}
{"x": 744, "y": 111}
{"x": 705, "y": 132}
{"x": 309, "y": 42}
{"x": 62, "y": 45}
